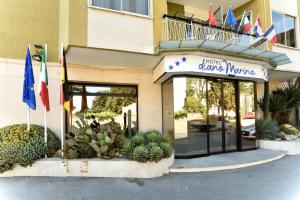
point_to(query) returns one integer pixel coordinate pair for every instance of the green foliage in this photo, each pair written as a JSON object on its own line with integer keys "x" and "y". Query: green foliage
{"x": 101, "y": 116}
{"x": 138, "y": 139}
{"x": 155, "y": 153}
{"x": 150, "y": 146}
{"x": 289, "y": 129}
{"x": 153, "y": 136}
{"x": 282, "y": 101}
{"x": 180, "y": 114}
{"x": 33, "y": 150}
{"x": 140, "y": 153}
{"x": 267, "y": 129}
{"x": 19, "y": 146}
{"x": 83, "y": 141}
{"x": 111, "y": 103}
{"x": 193, "y": 105}
{"x": 167, "y": 149}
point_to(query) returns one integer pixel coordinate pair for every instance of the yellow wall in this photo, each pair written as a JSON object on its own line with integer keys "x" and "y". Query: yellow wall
{"x": 63, "y": 22}
{"x": 159, "y": 9}
{"x": 174, "y": 8}
{"x": 26, "y": 22}
{"x": 78, "y": 22}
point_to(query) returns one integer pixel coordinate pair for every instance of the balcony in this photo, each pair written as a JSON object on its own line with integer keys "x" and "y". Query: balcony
{"x": 183, "y": 33}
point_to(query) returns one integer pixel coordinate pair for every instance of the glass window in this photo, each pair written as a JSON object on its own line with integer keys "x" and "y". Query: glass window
{"x": 247, "y": 112}
{"x": 105, "y": 104}
{"x": 134, "y": 6}
{"x": 285, "y": 29}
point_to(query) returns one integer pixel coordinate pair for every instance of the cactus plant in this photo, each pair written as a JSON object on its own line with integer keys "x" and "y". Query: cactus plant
{"x": 155, "y": 153}
{"x": 129, "y": 123}
{"x": 140, "y": 154}
{"x": 138, "y": 139}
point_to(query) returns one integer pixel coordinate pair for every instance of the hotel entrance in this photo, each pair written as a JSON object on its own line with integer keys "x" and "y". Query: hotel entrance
{"x": 207, "y": 115}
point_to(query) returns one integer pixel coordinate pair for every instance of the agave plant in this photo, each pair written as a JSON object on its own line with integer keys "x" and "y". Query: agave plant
{"x": 282, "y": 101}
{"x": 267, "y": 128}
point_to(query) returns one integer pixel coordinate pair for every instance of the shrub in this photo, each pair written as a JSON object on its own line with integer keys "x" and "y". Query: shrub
{"x": 180, "y": 114}
{"x": 151, "y": 146}
{"x": 267, "y": 129}
{"x": 140, "y": 154}
{"x": 155, "y": 153}
{"x": 153, "y": 136}
{"x": 138, "y": 139}
{"x": 101, "y": 116}
{"x": 167, "y": 149}
{"x": 19, "y": 146}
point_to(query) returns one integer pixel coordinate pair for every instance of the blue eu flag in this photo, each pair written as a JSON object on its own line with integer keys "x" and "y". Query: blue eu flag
{"x": 230, "y": 19}
{"x": 28, "y": 86}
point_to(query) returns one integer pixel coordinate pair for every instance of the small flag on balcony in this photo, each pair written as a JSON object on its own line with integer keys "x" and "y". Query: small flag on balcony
{"x": 43, "y": 82}
{"x": 257, "y": 28}
{"x": 245, "y": 24}
{"x": 211, "y": 17}
{"x": 270, "y": 34}
{"x": 230, "y": 19}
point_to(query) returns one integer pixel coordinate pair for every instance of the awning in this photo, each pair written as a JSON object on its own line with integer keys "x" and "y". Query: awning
{"x": 279, "y": 75}
{"x": 274, "y": 58}
{"x": 110, "y": 58}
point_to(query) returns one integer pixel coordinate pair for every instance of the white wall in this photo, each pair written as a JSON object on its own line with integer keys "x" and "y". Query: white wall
{"x": 13, "y": 110}
{"x": 115, "y": 30}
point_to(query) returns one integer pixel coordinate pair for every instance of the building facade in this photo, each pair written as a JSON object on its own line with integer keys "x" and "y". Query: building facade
{"x": 155, "y": 60}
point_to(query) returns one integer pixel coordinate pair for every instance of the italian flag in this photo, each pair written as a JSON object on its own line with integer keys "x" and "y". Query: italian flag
{"x": 43, "y": 82}
{"x": 245, "y": 25}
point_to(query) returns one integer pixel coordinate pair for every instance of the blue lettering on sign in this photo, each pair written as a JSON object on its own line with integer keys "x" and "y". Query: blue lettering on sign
{"x": 229, "y": 68}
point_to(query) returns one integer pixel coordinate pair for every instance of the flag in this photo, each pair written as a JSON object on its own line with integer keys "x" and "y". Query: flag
{"x": 84, "y": 105}
{"x": 43, "y": 82}
{"x": 270, "y": 34}
{"x": 211, "y": 18}
{"x": 64, "y": 97}
{"x": 258, "y": 28}
{"x": 28, "y": 85}
{"x": 244, "y": 24}
{"x": 230, "y": 19}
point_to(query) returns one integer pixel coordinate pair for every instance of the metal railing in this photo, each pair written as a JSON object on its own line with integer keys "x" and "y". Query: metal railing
{"x": 174, "y": 29}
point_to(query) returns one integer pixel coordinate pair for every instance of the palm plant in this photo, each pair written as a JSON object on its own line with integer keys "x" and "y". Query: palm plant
{"x": 282, "y": 101}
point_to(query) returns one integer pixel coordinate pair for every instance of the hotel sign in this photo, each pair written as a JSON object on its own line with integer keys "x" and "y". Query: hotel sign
{"x": 206, "y": 66}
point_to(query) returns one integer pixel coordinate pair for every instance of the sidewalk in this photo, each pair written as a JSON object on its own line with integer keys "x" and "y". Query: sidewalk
{"x": 226, "y": 161}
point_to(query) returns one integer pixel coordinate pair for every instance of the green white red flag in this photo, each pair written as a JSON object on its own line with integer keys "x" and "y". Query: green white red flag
{"x": 43, "y": 82}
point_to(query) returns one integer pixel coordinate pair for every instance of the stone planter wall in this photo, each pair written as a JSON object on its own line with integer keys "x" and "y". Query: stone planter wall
{"x": 290, "y": 147}
{"x": 120, "y": 168}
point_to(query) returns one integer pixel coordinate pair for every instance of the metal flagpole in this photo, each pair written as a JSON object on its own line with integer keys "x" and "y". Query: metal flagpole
{"x": 241, "y": 22}
{"x": 62, "y": 135}
{"x": 45, "y": 112}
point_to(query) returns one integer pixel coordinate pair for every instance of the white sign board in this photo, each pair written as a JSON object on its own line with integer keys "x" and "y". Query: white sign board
{"x": 206, "y": 66}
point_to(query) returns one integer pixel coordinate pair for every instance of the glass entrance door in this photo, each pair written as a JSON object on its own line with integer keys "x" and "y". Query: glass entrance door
{"x": 222, "y": 116}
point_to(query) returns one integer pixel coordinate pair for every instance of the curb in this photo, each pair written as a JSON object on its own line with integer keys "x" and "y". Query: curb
{"x": 224, "y": 167}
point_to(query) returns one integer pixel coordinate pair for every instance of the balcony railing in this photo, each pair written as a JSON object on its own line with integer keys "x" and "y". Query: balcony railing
{"x": 176, "y": 29}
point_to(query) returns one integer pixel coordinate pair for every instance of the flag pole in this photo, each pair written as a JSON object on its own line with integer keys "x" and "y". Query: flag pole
{"x": 45, "y": 113}
{"x": 62, "y": 135}
{"x": 225, "y": 18}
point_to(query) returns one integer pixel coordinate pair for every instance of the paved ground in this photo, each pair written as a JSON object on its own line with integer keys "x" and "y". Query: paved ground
{"x": 227, "y": 159}
{"x": 278, "y": 180}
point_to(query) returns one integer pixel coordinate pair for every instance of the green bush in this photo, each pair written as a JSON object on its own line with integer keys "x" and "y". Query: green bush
{"x": 180, "y": 114}
{"x": 267, "y": 129}
{"x": 150, "y": 146}
{"x": 19, "y": 146}
{"x": 101, "y": 116}
{"x": 140, "y": 154}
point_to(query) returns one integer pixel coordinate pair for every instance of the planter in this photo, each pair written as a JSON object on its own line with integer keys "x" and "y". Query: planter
{"x": 118, "y": 168}
{"x": 290, "y": 147}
